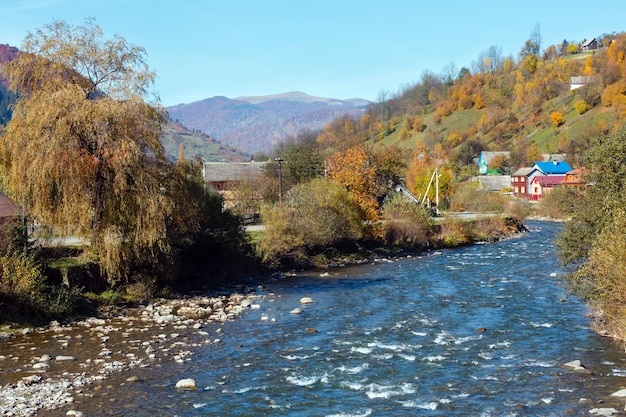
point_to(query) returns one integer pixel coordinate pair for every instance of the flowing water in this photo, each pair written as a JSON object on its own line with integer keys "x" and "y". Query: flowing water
{"x": 477, "y": 331}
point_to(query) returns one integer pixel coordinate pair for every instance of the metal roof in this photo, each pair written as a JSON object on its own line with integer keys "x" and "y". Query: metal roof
{"x": 231, "y": 171}
{"x": 550, "y": 180}
{"x": 523, "y": 172}
{"x": 553, "y": 168}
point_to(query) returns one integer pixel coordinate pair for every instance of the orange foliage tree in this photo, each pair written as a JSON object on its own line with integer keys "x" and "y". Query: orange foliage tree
{"x": 557, "y": 118}
{"x": 352, "y": 169}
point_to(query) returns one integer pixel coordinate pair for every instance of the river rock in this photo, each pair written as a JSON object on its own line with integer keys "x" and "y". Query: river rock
{"x": 74, "y": 413}
{"x": 296, "y": 311}
{"x": 31, "y": 379}
{"x": 187, "y": 383}
{"x": 620, "y": 393}
{"x": 64, "y": 358}
{"x": 607, "y": 412}
{"x": 133, "y": 378}
{"x": 576, "y": 366}
{"x": 306, "y": 300}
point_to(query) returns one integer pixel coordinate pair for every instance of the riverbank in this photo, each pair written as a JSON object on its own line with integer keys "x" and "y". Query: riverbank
{"x": 52, "y": 366}
{"x": 57, "y": 364}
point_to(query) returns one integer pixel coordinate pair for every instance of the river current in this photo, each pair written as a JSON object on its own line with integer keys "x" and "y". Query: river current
{"x": 478, "y": 331}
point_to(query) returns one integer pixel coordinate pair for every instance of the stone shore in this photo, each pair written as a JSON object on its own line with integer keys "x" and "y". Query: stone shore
{"x": 49, "y": 366}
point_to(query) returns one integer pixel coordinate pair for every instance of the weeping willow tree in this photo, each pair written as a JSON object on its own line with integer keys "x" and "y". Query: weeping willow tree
{"x": 82, "y": 152}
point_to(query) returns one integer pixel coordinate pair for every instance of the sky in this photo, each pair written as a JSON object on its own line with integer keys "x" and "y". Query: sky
{"x": 328, "y": 48}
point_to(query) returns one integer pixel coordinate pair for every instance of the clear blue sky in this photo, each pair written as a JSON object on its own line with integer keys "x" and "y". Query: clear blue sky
{"x": 329, "y": 48}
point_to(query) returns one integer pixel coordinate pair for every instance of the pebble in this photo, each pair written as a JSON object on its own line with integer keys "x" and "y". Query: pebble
{"x": 32, "y": 394}
{"x": 306, "y": 300}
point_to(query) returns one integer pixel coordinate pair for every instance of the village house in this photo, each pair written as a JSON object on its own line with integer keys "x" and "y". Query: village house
{"x": 520, "y": 181}
{"x": 590, "y": 45}
{"x": 224, "y": 175}
{"x": 485, "y": 159}
{"x": 573, "y": 178}
{"x": 580, "y": 81}
{"x": 543, "y": 184}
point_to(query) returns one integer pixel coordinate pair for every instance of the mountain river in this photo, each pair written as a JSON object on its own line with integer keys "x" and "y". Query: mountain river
{"x": 483, "y": 330}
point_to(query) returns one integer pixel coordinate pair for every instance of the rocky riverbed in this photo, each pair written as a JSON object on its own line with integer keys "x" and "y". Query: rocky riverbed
{"x": 50, "y": 367}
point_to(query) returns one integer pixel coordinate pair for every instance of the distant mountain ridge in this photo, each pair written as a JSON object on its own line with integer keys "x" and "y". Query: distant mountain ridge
{"x": 258, "y": 123}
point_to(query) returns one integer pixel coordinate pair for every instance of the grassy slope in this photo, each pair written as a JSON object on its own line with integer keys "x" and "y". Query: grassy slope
{"x": 548, "y": 138}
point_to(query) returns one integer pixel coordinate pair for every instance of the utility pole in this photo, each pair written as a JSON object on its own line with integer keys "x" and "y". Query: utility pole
{"x": 437, "y": 190}
{"x": 280, "y": 179}
{"x": 204, "y": 174}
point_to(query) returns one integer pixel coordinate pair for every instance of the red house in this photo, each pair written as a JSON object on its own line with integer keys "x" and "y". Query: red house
{"x": 542, "y": 185}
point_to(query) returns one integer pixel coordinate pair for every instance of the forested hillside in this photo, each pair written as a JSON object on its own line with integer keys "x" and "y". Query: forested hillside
{"x": 534, "y": 103}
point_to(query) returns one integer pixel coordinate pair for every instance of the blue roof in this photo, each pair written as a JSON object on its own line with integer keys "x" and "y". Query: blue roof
{"x": 553, "y": 168}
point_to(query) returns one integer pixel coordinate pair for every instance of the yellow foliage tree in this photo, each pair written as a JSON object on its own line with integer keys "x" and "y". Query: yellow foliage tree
{"x": 479, "y": 102}
{"x": 421, "y": 169}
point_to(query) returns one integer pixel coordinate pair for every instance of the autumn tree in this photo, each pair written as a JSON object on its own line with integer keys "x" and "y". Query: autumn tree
{"x": 557, "y": 118}
{"x": 421, "y": 170}
{"x": 594, "y": 239}
{"x": 352, "y": 169}
{"x": 82, "y": 150}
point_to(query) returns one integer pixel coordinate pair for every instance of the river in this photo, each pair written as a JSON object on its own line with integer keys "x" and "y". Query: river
{"x": 483, "y": 330}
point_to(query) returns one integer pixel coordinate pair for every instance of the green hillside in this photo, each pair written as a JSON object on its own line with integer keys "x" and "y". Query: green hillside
{"x": 525, "y": 105}
{"x": 197, "y": 144}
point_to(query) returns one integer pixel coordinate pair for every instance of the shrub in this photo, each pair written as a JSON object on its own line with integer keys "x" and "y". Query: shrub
{"x": 558, "y": 203}
{"x": 581, "y": 106}
{"x": 557, "y": 118}
{"x": 316, "y": 214}
{"x": 469, "y": 197}
{"x": 407, "y": 224}
{"x": 24, "y": 282}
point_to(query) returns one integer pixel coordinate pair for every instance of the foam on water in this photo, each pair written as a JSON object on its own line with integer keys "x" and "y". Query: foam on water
{"x": 366, "y": 413}
{"x": 354, "y": 370}
{"x": 363, "y": 350}
{"x": 304, "y": 381}
{"x": 388, "y": 391}
{"x": 432, "y": 405}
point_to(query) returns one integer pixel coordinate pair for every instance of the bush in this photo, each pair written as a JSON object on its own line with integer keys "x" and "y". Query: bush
{"x": 24, "y": 282}
{"x": 469, "y": 197}
{"x": 558, "y": 203}
{"x": 581, "y": 106}
{"x": 407, "y": 224}
{"x": 557, "y": 118}
{"x": 316, "y": 214}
